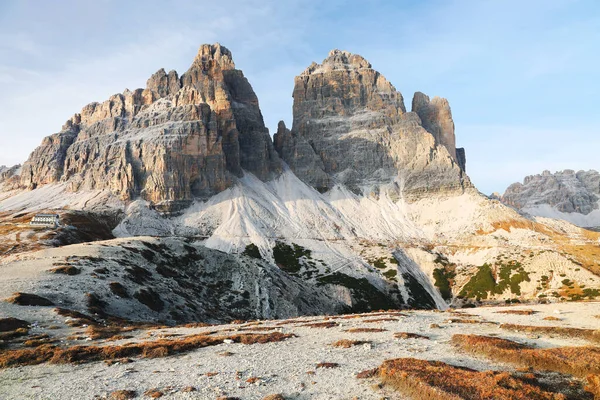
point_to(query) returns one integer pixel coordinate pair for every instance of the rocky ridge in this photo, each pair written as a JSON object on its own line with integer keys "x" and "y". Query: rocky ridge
{"x": 570, "y": 195}
{"x": 351, "y": 127}
{"x": 177, "y": 139}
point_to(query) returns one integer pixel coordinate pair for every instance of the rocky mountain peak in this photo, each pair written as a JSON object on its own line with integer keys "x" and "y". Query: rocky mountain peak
{"x": 211, "y": 55}
{"x": 560, "y": 195}
{"x": 436, "y": 118}
{"x": 351, "y": 126}
{"x": 177, "y": 139}
{"x": 338, "y": 60}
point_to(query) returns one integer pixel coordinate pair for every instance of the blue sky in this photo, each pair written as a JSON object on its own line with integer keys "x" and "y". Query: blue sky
{"x": 522, "y": 77}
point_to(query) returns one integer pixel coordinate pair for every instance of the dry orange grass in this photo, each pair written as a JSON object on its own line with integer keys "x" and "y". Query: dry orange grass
{"x": 510, "y": 224}
{"x": 409, "y": 335}
{"x": 588, "y": 334}
{"x": 153, "y": 393}
{"x": 434, "y": 380}
{"x": 517, "y": 312}
{"x": 320, "y": 325}
{"x": 464, "y": 321}
{"x": 148, "y": 349}
{"x": 578, "y": 361}
{"x": 277, "y": 396}
{"x": 347, "y": 343}
{"x": 593, "y": 385}
{"x": 258, "y": 328}
{"x": 365, "y": 330}
{"x": 122, "y": 395}
{"x": 96, "y": 332}
{"x": 327, "y": 365}
{"x": 28, "y": 299}
{"x": 583, "y": 249}
{"x": 551, "y": 318}
{"x": 366, "y": 321}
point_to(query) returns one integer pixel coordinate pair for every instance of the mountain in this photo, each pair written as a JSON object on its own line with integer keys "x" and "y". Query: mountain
{"x": 351, "y": 127}
{"x": 361, "y": 205}
{"x": 178, "y": 139}
{"x": 568, "y": 195}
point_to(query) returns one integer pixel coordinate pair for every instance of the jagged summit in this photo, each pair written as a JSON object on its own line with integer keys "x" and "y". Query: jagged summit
{"x": 351, "y": 127}
{"x": 210, "y": 54}
{"x": 338, "y": 60}
{"x": 569, "y": 195}
{"x": 177, "y": 139}
{"x": 192, "y": 135}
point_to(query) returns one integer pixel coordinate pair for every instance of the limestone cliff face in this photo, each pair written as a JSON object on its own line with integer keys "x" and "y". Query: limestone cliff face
{"x": 566, "y": 191}
{"x": 351, "y": 127}
{"x": 177, "y": 139}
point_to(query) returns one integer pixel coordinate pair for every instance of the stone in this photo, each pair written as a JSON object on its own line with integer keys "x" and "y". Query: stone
{"x": 566, "y": 191}
{"x": 176, "y": 140}
{"x": 351, "y": 127}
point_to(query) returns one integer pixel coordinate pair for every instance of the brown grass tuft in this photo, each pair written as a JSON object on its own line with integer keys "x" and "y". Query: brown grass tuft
{"x": 517, "y": 312}
{"x": 380, "y": 320}
{"x": 346, "y": 343}
{"x": 77, "y": 318}
{"x": 253, "y": 379}
{"x": 188, "y": 389}
{"x": 154, "y": 393}
{"x": 14, "y": 334}
{"x": 65, "y": 270}
{"x": 409, "y": 335}
{"x": 28, "y": 299}
{"x": 156, "y": 348}
{"x": 96, "y": 332}
{"x": 588, "y": 334}
{"x": 366, "y": 330}
{"x": 122, "y": 395}
{"x": 277, "y": 396}
{"x": 551, "y": 318}
{"x": 327, "y": 365}
{"x": 258, "y": 328}
{"x": 369, "y": 373}
{"x": 320, "y": 325}
{"x": 578, "y": 361}
{"x": 463, "y": 321}
{"x": 12, "y": 324}
{"x": 434, "y": 380}
{"x": 119, "y": 290}
{"x": 593, "y": 385}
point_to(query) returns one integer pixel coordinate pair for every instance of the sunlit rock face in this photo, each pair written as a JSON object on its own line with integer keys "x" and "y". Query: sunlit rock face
{"x": 351, "y": 127}
{"x": 177, "y": 139}
{"x": 573, "y": 196}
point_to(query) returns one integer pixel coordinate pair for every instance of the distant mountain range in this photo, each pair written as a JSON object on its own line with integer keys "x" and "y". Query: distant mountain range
{"x": 568, "y": 195}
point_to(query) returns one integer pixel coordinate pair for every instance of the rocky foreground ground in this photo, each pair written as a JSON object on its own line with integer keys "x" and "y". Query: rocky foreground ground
{"x": 546, "y": 351}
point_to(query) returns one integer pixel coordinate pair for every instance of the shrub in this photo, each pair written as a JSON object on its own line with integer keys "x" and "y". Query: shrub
{"x": 28, "y": 299}
{"x": 252, "y": 250}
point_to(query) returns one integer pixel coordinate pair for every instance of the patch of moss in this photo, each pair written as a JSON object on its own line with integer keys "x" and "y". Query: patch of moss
{"x": 390, "y": 273}
{"x": 378, "y": 263}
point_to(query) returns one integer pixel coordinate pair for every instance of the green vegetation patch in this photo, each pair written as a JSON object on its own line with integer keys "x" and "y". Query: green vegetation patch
{"x": 443, "y": 276}
{"x": 288, "y": 257}
{"x": 366, "y": 297}
{"x": 484, "y": 282}
{"x": 252, "y": 251}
